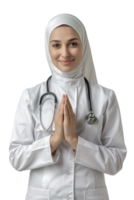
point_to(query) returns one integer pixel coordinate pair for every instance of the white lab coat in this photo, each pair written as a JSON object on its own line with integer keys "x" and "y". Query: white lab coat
{"x": 68, "y": 175}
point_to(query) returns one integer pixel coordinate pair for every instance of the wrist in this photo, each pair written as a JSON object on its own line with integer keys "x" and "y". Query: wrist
{"x": 57, "y": 137}
{"x": 70, "y": 139}
{"x": 73, "y": 142}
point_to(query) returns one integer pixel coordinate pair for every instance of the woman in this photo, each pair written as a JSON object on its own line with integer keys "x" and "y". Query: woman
{"x": 68, "y": 161}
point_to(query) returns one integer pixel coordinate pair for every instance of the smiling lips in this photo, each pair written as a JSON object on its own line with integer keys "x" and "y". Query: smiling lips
{"x": 66, "y": 62}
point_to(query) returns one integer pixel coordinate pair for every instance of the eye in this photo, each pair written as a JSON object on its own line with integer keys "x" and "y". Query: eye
{"x": 70, "y": 43}
{"x": 74, "y": 43}
{"x": 55, "y": 44}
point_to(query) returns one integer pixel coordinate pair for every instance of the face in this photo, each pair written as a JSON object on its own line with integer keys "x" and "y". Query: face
{"x": 65, "y": 45}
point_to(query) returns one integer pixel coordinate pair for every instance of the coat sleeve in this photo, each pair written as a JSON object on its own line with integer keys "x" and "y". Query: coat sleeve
{"x": 24, "y": 152}
{"x": 108, "y": 157}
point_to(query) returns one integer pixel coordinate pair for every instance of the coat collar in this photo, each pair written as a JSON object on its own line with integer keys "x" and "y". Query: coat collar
{"x": 67, "y": 82}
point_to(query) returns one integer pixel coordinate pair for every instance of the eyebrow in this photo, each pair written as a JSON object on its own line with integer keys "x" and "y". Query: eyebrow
{"x": 68, "y": 40}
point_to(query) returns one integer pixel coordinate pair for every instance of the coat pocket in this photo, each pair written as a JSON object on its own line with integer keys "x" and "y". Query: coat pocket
{"x": 37, "y": 194}
{"x": 96, "y": 194}
{"x": 92, "y": 132}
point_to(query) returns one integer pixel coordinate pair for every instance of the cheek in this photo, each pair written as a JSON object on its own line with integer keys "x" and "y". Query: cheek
{"x": 77, "y": 54}
{"x": 54, "y": 54}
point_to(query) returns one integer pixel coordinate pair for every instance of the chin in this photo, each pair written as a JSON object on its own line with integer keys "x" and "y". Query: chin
{"x": 66, "y": 69}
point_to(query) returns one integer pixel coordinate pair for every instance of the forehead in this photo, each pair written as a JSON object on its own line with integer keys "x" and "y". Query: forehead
{"x": 63, "y": 30}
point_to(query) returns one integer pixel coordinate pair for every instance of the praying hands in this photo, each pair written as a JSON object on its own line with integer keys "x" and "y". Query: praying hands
{"x": 69, "y": 120}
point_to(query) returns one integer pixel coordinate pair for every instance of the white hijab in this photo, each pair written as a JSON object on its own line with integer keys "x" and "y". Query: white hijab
{"x": 86, "y": 67}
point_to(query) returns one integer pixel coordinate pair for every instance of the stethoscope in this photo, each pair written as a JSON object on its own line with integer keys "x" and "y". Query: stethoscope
{"x": 90, "y": 117}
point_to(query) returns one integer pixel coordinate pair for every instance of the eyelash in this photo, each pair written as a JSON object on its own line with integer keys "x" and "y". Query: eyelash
{"x": 71, "y": 43}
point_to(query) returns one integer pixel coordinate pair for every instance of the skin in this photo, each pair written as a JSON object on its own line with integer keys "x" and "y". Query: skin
{"x": 65, "y": 50}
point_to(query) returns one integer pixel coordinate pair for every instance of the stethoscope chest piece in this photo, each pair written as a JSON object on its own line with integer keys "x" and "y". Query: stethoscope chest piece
{"x": 91, "y": 118}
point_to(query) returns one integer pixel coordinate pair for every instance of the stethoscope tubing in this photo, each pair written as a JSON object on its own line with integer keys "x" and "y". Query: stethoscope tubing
{"x": 90, "y": 118}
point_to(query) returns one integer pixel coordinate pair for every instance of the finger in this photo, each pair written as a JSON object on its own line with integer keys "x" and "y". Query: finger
{"x": 66, "y": 113}
{"x": 60, "y": 108}
{"x": 62, "y": 101}
{"x": 70, "y": 107}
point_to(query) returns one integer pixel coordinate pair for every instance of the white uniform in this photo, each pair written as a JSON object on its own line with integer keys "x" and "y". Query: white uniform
{"x": 68, "y": 175}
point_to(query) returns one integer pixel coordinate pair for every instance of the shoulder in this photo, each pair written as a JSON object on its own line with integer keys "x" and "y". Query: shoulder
{"x": 98, "y": 88}
{"x": 101, "y": 95}
{"x": 37, "y": 89}
{"x": 32, "y": 93}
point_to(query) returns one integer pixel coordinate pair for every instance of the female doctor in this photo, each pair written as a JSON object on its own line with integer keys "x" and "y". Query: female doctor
{"x": 69, "y": 159}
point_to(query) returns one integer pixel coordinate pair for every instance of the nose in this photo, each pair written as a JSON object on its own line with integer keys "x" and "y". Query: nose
{"x": 65, "y": 52}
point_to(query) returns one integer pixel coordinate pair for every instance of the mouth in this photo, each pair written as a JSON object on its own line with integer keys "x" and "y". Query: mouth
{"x": 66, "y": 62}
